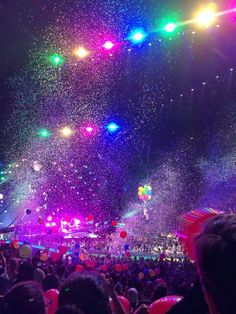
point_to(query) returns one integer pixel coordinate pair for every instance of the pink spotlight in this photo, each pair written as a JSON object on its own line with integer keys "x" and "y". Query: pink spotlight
{"x": 48, "y": 224}
{"x": 49, "y": 218}
{"x": 89, "y": 129}
{"x": 108, "y": 45}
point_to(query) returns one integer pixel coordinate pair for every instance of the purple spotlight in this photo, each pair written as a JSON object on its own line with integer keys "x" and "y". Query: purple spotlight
{"x": 108, "y": 45}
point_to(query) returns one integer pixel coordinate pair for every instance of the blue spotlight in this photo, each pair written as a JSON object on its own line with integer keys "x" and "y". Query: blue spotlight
{"x": 137, "y": 36}
{"x": 112, "y": 127}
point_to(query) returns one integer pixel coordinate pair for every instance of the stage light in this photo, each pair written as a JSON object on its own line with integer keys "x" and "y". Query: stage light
{"x": 56, "y": 59}
{"x": 112, "y": 127}
{"x": 170, "y": 27}
{"x": 89, "y": 129}
{"x": 44, "y": 133}
{"x": 49, "y": 218}
{"x": 108, "y": 45}
{"x": 81, "y": 52}
{"x": 206, "y": 16}
{"x": 66, "y": 131}
{"x": 137, "y": 36}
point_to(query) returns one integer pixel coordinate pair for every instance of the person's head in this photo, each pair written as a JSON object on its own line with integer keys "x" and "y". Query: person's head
{"x": 87, "y": 291}
{"x": 25, "y": 272}
{"x": 39, "y": 275}
{"x": 69, "y": 309}
{"x": 50, "y": 282}
{"x": 132, "y": 296}
{"x": 216, "y": 259}
{"x": 25, "y": 298}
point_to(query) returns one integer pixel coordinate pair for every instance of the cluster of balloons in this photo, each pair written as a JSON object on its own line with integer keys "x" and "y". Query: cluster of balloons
{"x": 145, "y": 193}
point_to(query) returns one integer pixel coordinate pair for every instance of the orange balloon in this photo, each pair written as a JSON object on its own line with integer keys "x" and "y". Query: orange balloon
{"x": 44, "y": 257}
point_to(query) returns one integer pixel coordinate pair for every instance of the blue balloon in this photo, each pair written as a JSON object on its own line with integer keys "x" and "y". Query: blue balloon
{"x": 76, "y": 254}
{"x": 75, "y": 260}
{"x": 126, "y": 247}
{"x": 77, "y": 246}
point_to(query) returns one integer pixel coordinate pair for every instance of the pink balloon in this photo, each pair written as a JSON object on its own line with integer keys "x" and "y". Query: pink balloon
{"x": 51, "y": 297}
{"x": 163, "y": 305}
{"x": 79, "y": 268}
{"x": 55, "y": 256}
{"x": 125, "y": 302}
{"x": 104, "y": 268}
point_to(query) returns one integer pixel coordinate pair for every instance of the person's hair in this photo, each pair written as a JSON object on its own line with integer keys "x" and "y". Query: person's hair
{"x": 25, "y": 272}
{"x": 87, "y": 291}
{"x": 69, "y": 309}
{"x": 25, "y": 298}
{"x": 216, "y": 260}
{"x": 50, "y": 282}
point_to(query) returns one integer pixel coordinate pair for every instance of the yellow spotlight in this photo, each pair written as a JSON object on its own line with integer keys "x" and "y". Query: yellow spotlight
{"x": 66, "y": 131}
{"x": 207, "y": 16}
{"x": 81, "y": 52}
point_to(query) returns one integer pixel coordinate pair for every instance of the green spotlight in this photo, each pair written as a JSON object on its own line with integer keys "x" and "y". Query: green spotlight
{"x": 170, "y": 27}
{"x": 56, "y": 59}
{"x": 44, "y": 133}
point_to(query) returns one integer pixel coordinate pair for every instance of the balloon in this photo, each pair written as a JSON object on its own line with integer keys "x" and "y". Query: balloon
{"x": 191, "y": 225}
{"x": 145, "y": 193}
{"x": 163, "y": 305}
{"x": 104, "y": 268}
{"x": 55, "y": 256}
{"x": 126, "y": 247}
{"x": 114, "y": 223}
{"x": 90, "y": 217}
{"x": 123, "y": 234}
{"x": 118, "y": 267}
{"x": 16, "y": 244}
{"x": 51, "y": 297}
{"x": 77, "y": 246}
{"x": 152, "y": 273}
{"x": 75, "y": 260}
{"x": 125, "y": 302}
{"x": 63, "y": 250}
{"x": 28, "y": 211}
{"x": 128, "y": 254}
{"x": 125, "y": 267}
{"x": 82, "y": 256}
{"x": 25, "y": 251}
{"x": 141, "y": 275}
{"x": 44, "y": 257}
{"x": 79, "y": 268}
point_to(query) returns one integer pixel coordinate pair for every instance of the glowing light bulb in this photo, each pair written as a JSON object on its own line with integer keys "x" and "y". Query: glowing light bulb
{"x": 81, "y": 52}
{"x": 170, "y": 27}
{"x": 137, "y": 36}
{"x": 66, "y": 131}
{"x": 44, "y": 133}
{"x": 56, "y": 59}
{"x": 108, "y": 45}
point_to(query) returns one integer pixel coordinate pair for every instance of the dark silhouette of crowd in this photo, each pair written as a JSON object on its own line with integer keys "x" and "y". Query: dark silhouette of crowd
{"x": 105, "y": 284}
